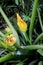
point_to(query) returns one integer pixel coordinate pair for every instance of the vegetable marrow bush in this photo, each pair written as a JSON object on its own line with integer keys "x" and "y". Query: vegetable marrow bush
{"x": 19, "y": 41}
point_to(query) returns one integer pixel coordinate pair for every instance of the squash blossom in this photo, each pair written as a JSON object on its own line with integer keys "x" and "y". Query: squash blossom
{"x": 7, "y": 29}
{"x": 21, "y": 23}
{"x": 10, "y": 40}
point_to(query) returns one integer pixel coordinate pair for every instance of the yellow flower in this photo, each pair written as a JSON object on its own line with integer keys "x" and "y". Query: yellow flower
{"x": 10, "y": 40}
{"x": 21, "y": 23}
{"x": 8, "y": 29}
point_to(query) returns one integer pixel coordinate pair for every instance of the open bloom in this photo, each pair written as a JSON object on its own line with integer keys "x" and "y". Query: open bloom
{"x": 8, "y": 29}
{"x": 10, "y": 40}
{"x": 21, "y": 24}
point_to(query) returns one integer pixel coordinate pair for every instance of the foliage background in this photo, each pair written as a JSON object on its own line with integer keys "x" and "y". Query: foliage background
{"x": 24, "y": 8}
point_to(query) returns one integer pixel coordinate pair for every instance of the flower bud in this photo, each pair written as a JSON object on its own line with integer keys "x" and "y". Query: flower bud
{"x": 8, "y": 29}
{"x": 21, "y": 23}
{"x": 10, "y": 40}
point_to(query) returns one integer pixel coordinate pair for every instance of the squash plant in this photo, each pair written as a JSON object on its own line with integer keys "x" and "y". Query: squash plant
{"x": 18, "y": 43}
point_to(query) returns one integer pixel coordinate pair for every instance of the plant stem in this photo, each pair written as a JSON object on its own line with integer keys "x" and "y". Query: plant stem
{"x": 10, "y": 25}
{"x": 33, "y": 18}
{"x": 40, "y": 20}
{"x": 38, "y": 38}
{"x": 26, "y": 37}
{"x": 6, "y": 47}
{"x": 3, "y": 44}
{"x": 32, "y": 47}
{"x": 1, "y": 34}
{"x": 6, "y": 57}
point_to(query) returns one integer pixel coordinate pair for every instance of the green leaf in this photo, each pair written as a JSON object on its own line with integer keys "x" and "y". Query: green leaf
{"x": 26, "y": 18}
